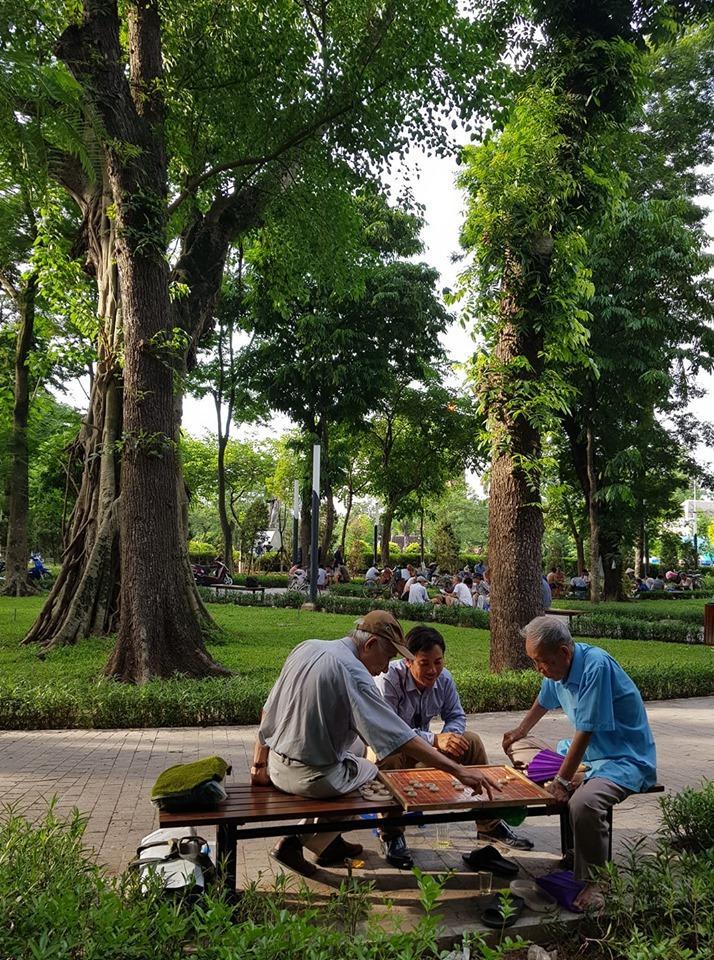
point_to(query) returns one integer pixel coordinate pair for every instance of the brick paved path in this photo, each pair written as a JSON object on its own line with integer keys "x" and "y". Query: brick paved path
{"x": 108, "y": 774}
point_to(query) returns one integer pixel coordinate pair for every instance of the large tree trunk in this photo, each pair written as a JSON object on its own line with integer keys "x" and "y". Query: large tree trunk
{"x": 18, "y": 510}
{"x": 386, "y": 519}
{"x": 515, "y": 518}
{"x": 640, "y": 549}
{"x": 610, "y": 551}
{"x": 348, "y": 511}
{"x": 577, "y": 539}
{"x": 160, "y": 627}
{"x": 594, "y": 518}
{"x": 84, "y": 598}
{"x": 226, "y": 524}
{"x": 305, "y": 525}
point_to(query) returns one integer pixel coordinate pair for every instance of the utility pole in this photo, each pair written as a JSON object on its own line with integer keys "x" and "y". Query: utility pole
{"x": 314, "y": 520}
{"x": 296, "y": 520}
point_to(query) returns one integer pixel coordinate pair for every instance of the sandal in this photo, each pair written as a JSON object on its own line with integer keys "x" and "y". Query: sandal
{"x": 536, "y": 899}
{"x": 502, "y": 911}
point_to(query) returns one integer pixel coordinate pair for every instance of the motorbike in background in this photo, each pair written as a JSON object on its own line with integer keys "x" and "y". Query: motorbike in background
{"x": 37, "y": 571}
{"x": 211, "y": 575}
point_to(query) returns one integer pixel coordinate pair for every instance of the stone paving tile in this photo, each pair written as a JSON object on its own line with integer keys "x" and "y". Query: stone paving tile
{"x": 107, "y": 775}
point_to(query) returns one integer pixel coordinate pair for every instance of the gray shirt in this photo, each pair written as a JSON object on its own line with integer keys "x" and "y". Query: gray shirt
{"x": 322, "y": 701}
{"x": 419, "y": 707}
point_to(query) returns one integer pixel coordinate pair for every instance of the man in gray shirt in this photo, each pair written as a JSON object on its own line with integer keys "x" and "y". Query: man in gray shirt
{"x": 322, "y": 703}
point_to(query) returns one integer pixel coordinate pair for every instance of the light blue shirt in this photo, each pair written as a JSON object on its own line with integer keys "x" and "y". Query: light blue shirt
{"x": 416, "y": 707}
{"x": 598, "y": 697}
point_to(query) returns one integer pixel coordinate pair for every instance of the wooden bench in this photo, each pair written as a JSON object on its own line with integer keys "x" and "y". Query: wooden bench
{"x": 559, "y": 612}
{"x": 251, "y": 812}
{"x": 241, "y": 587}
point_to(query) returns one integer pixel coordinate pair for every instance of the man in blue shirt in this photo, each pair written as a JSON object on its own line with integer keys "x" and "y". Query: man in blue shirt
{"x": 418, "y": 690}
{"x": 612, "y": 737}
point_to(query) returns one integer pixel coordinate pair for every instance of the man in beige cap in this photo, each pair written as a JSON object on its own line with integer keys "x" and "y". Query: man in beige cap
{"x": 321, "y": 712}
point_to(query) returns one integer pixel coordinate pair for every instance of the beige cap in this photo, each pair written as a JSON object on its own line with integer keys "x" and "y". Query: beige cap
{"x": 380, "y": 623}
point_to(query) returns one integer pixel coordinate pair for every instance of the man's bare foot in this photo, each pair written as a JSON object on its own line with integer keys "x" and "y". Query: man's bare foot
{"x": 590, "y": 898}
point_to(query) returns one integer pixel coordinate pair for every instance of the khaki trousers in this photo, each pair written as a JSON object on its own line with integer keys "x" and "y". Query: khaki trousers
{"x": 321, "y": 783}
{"x": 587, "y": 809}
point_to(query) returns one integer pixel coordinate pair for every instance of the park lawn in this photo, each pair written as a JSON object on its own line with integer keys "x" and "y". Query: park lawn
{"x": 65, "y": 689}
{"x": 256, "y": 641}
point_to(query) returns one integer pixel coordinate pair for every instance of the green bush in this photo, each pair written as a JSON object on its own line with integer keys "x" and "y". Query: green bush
{"x": 57, "y": 904}
{"x": 422, "y": 612}
{"x": 264, "y": 579}
{"x": 200, "y": 552}
{"x": 703, "y": 594}
{"x": 660, "y": 905}
{"x": 637, "y": 628}
{"x": 688, "y": 818}
{"x": 291, "y": 598}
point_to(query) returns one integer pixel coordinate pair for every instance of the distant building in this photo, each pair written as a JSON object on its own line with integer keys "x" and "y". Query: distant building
{"x": 692, "y": 509}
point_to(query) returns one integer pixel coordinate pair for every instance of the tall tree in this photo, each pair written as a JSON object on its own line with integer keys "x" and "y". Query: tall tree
{"x": 534, "y": 187}
{"x": 652, "y": 324}
{"x": 327, "y": 358}
{"x": 247, "y": 123}
{"x": 418, "y": 440}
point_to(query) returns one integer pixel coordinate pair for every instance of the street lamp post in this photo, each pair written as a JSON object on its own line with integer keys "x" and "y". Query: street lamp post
{"x": 296, "y": 520}
{"x": 315, "y": 520}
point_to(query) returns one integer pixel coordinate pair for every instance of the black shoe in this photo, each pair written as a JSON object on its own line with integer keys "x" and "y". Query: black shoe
{"x": 397, "y": 853}
{"x": 335, "y": 853}
{"x": 502, "y": 833}
{"x": 488, "y": 858}
{"x": 289, "y": 853}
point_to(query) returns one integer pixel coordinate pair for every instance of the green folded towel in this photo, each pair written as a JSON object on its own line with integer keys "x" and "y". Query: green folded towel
{"x": 183, "y": 777}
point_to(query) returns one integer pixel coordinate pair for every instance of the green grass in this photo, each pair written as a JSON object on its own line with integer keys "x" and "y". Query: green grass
{"x": 65, "y": 688}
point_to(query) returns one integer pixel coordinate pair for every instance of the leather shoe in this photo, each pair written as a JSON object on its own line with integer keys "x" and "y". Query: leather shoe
{"x": 502, "y": 833}
{"x": 397, "y": 853}
{"x": 289, "y": 853}
{"x": 488, "y": 858}
{"x": 335, "y": 853}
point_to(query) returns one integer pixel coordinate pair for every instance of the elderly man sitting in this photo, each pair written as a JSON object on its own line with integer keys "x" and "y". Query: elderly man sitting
{"x": 322, "y": 703}
{"x": 418, "y": 689}
{"x": 612, "y": 736}
{"x": 418, "y": 592}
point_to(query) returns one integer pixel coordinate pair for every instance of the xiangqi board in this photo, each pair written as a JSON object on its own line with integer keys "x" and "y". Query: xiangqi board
{"x": 428, "y": 789}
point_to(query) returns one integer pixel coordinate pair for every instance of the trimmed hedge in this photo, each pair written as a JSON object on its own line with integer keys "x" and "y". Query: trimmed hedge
{"x": 239, "y": 700}
{"x": 637, "y": 628}
{"x": 264, "y": 579}
{"x": 291, "y": 598}
{"x": 688, "y": 629}
{"x": 703, "y": 594}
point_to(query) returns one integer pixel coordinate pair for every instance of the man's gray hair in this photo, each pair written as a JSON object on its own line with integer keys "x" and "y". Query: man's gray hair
{"x": 360, "y": 637}
{"x": 548, "y": 634}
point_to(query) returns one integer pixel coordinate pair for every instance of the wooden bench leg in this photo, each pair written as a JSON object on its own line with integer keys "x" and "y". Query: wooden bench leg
{"x": 227, "y": 854}
{"x": 566, "y": 833}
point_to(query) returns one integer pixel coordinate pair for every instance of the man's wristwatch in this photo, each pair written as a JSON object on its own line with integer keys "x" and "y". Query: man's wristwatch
{"x": 565, "y": 784}
{"x": 258, "y": 766}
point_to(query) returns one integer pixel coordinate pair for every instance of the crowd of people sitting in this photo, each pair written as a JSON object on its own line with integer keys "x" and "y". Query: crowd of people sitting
{"x": 672, "y": 580}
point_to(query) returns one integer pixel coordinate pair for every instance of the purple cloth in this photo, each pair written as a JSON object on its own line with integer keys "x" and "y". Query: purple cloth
{"x": 544, "y": 766}
{"x": 563, "y": 886}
